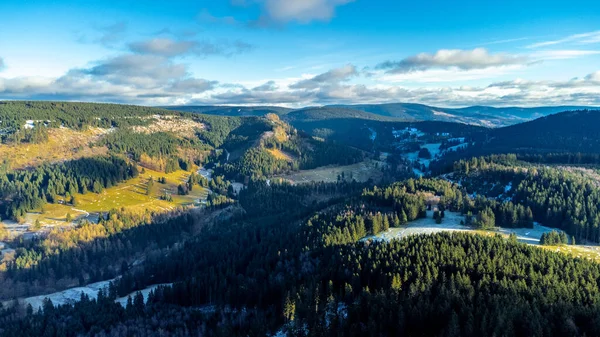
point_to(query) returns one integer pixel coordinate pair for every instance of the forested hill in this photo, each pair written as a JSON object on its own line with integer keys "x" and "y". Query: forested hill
{"x": 334, "y": 113}
{"x": 570, "y": 131}
{"x": 569, "y": 137}
{"x": 237, "y": 111}
{"x": 73, "y": 115}
{"x": 238, "y": 226}
{"x": 477, "y": 115}
{"x": 294, "y": 267}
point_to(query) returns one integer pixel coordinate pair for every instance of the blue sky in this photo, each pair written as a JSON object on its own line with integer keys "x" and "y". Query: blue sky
{"x": 302, "y": 52}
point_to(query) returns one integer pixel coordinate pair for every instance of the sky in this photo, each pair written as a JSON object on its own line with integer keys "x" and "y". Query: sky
{"x": 302, "y": 52}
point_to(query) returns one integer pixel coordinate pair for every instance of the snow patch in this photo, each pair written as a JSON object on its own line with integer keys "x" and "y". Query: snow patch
{"x": 441, "y": 113}
{"x": 373, "y": 134}
{"x": 73, "y": 295}
{"x": 205, "y": 173}
{"x": 68, "y": 296}
{"x": 145, "y": 292}
{"x": 450, "y": 223}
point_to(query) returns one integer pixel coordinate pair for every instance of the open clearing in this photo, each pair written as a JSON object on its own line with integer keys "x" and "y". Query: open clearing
{"x": 434, "y": 149}
{"x": 175, "y": 124}
{"x": 451, "y": 223}
{"x": 130, "y": 194}
{"x": 63, "y": 144}
{"x": 280, "y": 154}
{"x": 362, "y": 171}
{"x": 72, "y": 295}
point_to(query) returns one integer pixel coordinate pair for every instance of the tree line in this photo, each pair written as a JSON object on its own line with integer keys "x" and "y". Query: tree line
{"x": 22, "y": 191}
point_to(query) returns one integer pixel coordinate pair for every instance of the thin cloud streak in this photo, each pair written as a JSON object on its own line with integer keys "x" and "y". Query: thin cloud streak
{"x": 583, "y": 38}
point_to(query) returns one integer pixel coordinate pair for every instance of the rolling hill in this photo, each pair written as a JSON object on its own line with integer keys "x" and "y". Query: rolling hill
{"x": 241, "y": 111}
{"x": 573, "y": 131}
{"x": 408, "y": 112}
{"x": 477, "y": 115}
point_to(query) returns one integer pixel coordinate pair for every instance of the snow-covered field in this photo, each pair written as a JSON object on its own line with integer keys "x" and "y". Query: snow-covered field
{"x": 529, "y": 235}
{"x": 73, "y": 295}
{"x": 67, "y": 296}
{"x": 144, "y": 292}
{"x": 418, "y": 172}
{"x": 205, "y": 173}
{"x": 411, "y": 131}
{"x": 434, "y": 149}
{"x": 451, "y": 223}
{"x": 373, "y": 134}
{"x": 237, "y": 187}
{"x": 455, "y": 148}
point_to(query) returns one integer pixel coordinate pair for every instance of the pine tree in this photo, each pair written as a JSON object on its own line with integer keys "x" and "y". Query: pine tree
{"x": 37, "y": 225}
{"x": 396, "y": 220}
{"x": 386, "y": 223}
{"x": 403, "y": 217}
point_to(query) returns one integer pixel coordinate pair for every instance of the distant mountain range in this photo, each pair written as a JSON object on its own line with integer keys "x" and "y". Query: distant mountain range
{"x": 475, "y": 115}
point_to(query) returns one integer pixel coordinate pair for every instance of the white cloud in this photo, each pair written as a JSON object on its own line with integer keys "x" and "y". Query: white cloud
{"x": 584, "y": 91}
{"x": 478, "y": 58}
{"x": 267, "y": 86}
{"x": 563, "y": 54}
{"x": 302, "y": 11}
{"x": 205, "y": 17}
{"x": 331, "y": 77}
{"x": 157, "y": 79}
{"x": 169, "y": 47}
{"x": 583, "y": 38}
{"x": 595, "y": 76}
{"x": 129, "y": 78}
{"x": 162, "y": 46}
{"x": 2, "y": 65}
{"x": 108, "y": 36}
{"x": 447, "y": 75}
{"x": 133, "y": 69}
{"x": 279, "y": 12}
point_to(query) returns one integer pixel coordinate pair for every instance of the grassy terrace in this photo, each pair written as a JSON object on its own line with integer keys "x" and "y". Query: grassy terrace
{"x": 130, "y": 195}
{"x": 62, "y": 144}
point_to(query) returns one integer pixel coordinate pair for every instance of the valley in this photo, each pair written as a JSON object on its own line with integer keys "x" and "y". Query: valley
{"x": 299, "y": 168}
{"x": 152, "y": 199}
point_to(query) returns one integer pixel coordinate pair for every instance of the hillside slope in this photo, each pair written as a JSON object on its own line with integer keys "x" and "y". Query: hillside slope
{"x": 570, "y": 131}
{"x": 477, "y": 115}
{"x": 238, "y": 111}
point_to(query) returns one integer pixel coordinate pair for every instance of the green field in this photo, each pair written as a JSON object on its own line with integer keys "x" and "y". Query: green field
{"x": 130, "y": 195}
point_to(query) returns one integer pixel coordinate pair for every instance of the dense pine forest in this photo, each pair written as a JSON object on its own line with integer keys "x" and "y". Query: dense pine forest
{"x": 70, "y": 115}
{"x": 258, "y": 254}
{"x": 266, "y": 271}
{"x": 28, "y": 190}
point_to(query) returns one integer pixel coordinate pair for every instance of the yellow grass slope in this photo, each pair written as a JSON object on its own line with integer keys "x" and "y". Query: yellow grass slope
{"x": 130, "y": 195}
{"x": 63, "y": 144}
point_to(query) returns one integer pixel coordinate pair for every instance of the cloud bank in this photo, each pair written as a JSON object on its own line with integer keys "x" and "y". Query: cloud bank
{"x": 331, "y": 77}
{"x": 277, "y": 13}
{"x": 478, "y": 58}
{"x": 152, "y": 73}
{"x": 169, "y": 48}
{"x": 301, "y": 11}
